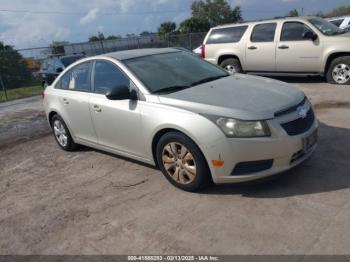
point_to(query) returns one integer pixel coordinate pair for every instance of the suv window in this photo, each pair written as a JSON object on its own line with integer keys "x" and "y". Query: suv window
{"x": 107, "y": 75}
{"x": 80, "y": 78}
{"x": 264, "y": 33}
{"x": 294, "y": 31}
{"x": 337, "y": 22}
{"x": 226, "y": 35}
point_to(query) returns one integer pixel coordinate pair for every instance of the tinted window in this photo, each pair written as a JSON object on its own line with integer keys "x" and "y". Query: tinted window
{"x": 173, "y": 69}
{"x": 66, "y": 61}
{"x": 264, "y": 33}
{"x": 337, "y": 22}
{"x": 44, "y": 65}
{"x": 80, "y": 78}
{"x": 294, "y": 31}
{"x": 108, "y": 75}
{"x": 226, "y": 35}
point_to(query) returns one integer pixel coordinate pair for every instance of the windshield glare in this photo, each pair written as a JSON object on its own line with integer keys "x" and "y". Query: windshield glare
{"x": 325, "y": 27}
{"x": 162, "y": 71}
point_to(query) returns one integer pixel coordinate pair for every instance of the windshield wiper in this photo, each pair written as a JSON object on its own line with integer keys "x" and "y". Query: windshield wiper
{"x": 171, "y": 89}
{"x": 208, "y": 79}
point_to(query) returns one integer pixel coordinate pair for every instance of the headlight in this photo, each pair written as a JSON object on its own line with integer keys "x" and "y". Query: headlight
{"x": 240, "y": 128}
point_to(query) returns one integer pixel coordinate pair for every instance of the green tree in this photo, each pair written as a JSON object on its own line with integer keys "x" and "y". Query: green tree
{"x": 146, "y": 33}
{"x": 193, "y": 25}
{"x": 215, "y": 12}
{"x": 113, "y": 37}
{"x": 293, "y": 13}
{"x": 13, "y": 69}
{"x": 339, "y": 11}
{"x": 99, "y": 37}
{"x": 166, "y": 28}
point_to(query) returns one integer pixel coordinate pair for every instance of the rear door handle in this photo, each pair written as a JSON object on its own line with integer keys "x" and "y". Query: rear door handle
{"x": 252, "y": 47}
{"x": 283, "y": 47}
{"x": 65, "y": 101}
{"x": 96, "y": 108}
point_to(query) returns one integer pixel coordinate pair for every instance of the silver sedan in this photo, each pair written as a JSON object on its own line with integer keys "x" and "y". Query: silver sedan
{"x": 169, "y": 108}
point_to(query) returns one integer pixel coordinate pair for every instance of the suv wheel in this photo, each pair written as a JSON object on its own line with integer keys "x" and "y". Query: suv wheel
{"x": 182, "y": 162}
{"x": 61, "y": 134}
{"x": 231, "y": 65}
{"x": 339, "y": 71}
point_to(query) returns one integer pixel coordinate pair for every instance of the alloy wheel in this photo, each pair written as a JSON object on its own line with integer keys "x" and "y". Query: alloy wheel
{"x": 230, "y": 68}
{"x": 179, "y": 163}
{"x": 60, "y": 133}
{"x": 341, "y": 73}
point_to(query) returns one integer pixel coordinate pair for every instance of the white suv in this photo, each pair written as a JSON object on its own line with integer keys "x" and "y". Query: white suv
{"x": 298, "y": 45}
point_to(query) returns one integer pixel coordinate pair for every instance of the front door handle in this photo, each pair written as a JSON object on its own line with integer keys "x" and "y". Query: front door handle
{"x": 96, "y": 108}
{"x": 252, "y": 47}
{"x": 65, "y": 101}
{"x": 283, "y": 47}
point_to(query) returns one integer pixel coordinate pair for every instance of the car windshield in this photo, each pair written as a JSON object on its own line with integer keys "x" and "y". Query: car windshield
{"x": 170, "y": 72}
{"x": 66, "y": 61}
{"x": 326, "y": 27}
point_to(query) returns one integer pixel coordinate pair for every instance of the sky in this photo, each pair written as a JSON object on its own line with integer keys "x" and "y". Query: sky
{"x": 26, "y": 23}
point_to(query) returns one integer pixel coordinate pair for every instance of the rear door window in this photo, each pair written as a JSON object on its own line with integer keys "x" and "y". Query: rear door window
{"x": 226, "y": 35}
{"x": 264, "y": 33}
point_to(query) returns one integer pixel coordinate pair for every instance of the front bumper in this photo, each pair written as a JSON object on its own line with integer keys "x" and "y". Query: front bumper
{"x": 286, "y": 152}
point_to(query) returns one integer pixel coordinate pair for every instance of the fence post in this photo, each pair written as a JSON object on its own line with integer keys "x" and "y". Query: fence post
{"x": 3, "y": 88}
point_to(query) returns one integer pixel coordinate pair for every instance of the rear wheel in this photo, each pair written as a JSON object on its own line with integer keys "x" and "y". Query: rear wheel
{"x": 182, "y": 162}
{"x": 231, "y": 65}
{"x": 339, "y": 71}
{"x": 61, "y": 134}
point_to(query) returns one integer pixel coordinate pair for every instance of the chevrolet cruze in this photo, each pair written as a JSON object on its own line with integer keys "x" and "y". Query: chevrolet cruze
{"x": 168, "y": 107}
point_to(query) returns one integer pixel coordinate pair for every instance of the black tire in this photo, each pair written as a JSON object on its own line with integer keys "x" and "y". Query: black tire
{"x": 338, "y": 62}
{"x": 70, "y": 145}
{"x": 202, "y": 177}
{"x": 231, "y": 62}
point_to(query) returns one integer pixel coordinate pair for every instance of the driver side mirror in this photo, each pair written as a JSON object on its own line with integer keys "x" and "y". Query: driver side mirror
{"x": 310, "y": 35}
{"x": 121, "y": 93}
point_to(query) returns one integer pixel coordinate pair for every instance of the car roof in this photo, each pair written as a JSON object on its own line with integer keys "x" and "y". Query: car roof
{"x": 288, "y": 18}
{"x": 134, "y": 53}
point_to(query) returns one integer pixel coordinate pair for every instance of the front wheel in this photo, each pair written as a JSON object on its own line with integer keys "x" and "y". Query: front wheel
{"x": 231, "y": 65}
{"x": 182, "y": 162}
{"x": 339, "y": 71}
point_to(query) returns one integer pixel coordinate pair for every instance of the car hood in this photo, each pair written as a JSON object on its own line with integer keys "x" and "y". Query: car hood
{"x": 239, "y": 96}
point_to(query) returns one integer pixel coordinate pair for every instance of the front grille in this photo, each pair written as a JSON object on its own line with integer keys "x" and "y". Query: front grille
{"x": 290, "y": 109}
{"x": 300, "y": 125}
{"x": 245, "y": 168}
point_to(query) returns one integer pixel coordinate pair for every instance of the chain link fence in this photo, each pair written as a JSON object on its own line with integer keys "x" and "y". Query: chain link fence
{"x": 20, "y": 70}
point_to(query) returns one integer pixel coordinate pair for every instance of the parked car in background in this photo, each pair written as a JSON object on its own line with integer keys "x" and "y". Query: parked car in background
{"x": 168, "y": 107}
{"x": 292, "y": 45}
{"x": 53, "y": 66}
{"x": 341, "y": 22}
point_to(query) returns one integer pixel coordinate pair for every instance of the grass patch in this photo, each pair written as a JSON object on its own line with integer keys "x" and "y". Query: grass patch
{"x": 21, "y": 92}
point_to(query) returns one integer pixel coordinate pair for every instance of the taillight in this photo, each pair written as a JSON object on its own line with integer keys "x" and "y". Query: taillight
{"x": 203, "y": 51}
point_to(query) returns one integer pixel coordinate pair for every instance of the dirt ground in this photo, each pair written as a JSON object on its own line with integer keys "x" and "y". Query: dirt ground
{"x": 90, "y": 202}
